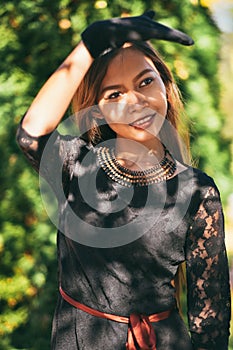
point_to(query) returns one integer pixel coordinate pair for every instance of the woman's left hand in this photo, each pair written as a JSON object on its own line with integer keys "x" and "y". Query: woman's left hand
{"x": 113, "y": 33}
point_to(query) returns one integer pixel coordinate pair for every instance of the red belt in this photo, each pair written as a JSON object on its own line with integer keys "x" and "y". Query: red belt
{"x": 140, "y": 331}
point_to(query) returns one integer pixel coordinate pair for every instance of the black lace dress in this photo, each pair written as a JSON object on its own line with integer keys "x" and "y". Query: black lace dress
{"x": 119, "y": 249}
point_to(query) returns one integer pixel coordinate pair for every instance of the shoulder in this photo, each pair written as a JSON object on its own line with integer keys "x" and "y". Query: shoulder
{"x": 204, "y": 190}
{"x": 195, "y": 176}
{"x": 202, "y": 179}
{"x": 204, "y": 183}
{"x": 52, "y": 150}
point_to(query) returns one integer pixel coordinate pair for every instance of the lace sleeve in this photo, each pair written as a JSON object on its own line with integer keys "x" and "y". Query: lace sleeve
{"x": 208, "y": 276}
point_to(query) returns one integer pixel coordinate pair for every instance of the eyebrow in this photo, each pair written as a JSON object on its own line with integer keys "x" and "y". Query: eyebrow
{"x": 118, "y": 86}
{"x": 139, "y": 75}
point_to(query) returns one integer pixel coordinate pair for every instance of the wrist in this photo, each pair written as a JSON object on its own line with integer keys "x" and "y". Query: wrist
{"x": 81, "y": 57}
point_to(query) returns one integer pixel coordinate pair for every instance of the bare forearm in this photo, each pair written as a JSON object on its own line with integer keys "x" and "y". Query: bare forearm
{"x": 50, "y": 104}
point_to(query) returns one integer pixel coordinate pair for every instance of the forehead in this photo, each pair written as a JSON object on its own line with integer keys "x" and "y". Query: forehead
{"x": 128, "y": 62}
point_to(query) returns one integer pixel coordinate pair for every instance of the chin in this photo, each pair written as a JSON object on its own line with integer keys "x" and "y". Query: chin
{"x": 142, "y": 137}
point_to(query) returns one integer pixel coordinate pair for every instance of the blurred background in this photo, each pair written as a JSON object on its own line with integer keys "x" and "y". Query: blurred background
{"x": 36, "y": 35}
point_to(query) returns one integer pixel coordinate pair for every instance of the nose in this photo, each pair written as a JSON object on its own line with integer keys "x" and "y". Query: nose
{"x": 136, "y": 101}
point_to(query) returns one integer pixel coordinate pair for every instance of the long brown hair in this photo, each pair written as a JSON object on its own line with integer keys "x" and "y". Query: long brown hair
{"x": 175, "y": 137}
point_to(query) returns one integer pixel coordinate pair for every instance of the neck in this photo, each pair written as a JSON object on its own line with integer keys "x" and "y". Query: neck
{"x": 136, "y": 155}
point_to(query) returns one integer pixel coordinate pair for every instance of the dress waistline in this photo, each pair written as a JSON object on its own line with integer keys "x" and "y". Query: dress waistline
{"x": 141, "y": 334}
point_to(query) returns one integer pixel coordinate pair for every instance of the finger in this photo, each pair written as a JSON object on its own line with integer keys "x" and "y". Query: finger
{"x": 163, "y": 32}
{"x": 150, "y": 14}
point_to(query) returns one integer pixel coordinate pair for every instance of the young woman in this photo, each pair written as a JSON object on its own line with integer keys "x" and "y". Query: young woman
{"x": 131, "y": 210}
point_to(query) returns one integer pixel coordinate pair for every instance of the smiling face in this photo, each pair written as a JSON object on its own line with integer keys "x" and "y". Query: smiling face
{"x": 132, "y": 96}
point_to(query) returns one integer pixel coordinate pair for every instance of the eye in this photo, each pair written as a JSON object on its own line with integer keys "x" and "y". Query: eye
{"x": 146, "y": 81}
{"x": 113, "y": 95}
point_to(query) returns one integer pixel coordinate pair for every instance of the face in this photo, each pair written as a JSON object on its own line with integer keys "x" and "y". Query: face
{"x": 132, "y": 96}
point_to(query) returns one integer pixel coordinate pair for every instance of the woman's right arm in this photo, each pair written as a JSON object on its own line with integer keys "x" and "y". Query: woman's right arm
{"x": 55, "y": 96}
{"x": 52, "y": 101}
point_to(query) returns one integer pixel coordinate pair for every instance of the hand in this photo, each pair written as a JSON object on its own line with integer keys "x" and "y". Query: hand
{"x": 113, "y": 33}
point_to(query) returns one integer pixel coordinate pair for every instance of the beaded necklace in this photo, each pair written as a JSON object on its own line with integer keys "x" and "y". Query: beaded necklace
{"x": 161, "y": 171}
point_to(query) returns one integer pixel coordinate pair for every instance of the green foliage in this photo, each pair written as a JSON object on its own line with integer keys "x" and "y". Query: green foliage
{"x": 35, "y": 37}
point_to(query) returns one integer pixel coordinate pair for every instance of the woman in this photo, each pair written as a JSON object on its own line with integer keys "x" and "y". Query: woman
{"x": 131, "y": 211}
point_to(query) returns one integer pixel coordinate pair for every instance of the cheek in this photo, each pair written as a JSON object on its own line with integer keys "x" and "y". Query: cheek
{"x": 164, "y": 103}
{"x": 113, "y": 112}
{"x": 159, "y": 102}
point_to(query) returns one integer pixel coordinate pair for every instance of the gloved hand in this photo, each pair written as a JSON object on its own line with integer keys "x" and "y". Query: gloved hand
{"x": 113, "y": 33}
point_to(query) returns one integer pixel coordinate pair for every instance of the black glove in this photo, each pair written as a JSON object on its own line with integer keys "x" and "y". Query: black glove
{"x": 113, "y": 33}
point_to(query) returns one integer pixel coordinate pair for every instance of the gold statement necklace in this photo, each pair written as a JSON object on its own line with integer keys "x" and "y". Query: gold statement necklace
{"x": 161, "y": 171}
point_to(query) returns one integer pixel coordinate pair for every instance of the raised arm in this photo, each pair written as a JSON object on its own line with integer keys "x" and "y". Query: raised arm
{"x": 50, "y": 104}
{"x": 55, "y": 96}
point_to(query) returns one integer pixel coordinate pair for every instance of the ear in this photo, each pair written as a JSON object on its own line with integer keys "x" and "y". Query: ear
{"x": 96, "y": 113}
